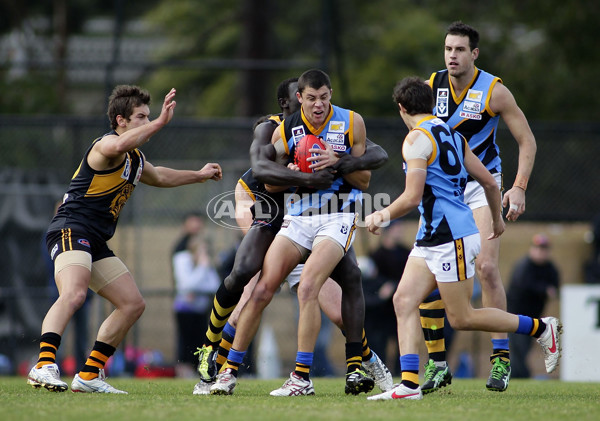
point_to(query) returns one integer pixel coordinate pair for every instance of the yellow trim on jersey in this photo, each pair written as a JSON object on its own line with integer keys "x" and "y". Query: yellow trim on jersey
{"x": 431, "y": 79}
{"x": 434, "y": 152}
{"x": 285, "y": 143}
{"x": 351, "y": 129}
{"x": 489, "y": 96}
{"x": 464, "y": 92}
{"x": 275, "y": 118}
{"x": 317, "y": 131}
{"x": 245, "y": 186}
{"x": 77, "y": 170}
{"x": 103, "y": 184}
{"x": 461, "y": 266}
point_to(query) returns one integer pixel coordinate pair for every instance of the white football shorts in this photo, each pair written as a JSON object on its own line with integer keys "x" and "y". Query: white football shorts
{"x": 453, "y": 261}
{"x": 304, "y": 230}
{"x": 475, "y": 195}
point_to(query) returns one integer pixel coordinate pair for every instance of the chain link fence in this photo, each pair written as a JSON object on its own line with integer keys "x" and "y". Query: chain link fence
{"x": 38, "y": 156}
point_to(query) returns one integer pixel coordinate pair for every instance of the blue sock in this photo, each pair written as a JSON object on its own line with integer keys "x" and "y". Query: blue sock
{"x": 236, "y": 356}
{"x": 230, "y": 330}
{"x": 525, "y": 325}
{"x": 498, "y": 344}
{"x": 305, "y": 358}
{"x": 410, "y": 362}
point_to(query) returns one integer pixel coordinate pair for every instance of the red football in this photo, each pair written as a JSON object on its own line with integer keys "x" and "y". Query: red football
{"x": 301, "y": 153}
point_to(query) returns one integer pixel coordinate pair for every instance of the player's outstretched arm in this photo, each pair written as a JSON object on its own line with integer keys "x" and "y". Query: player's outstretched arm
{"x": 169, "y": 177}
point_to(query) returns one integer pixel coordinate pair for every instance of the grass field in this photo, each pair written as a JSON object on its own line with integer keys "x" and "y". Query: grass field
{"x": 172, "y": 399}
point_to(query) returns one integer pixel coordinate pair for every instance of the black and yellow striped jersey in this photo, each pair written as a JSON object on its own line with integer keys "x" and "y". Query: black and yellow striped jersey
{"x": 95, "y": 199}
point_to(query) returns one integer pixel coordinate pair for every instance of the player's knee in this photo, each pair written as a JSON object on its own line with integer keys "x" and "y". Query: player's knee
{"x": 401, "y": 303}
{"x": 74, "y": 299}
{"x": 307, "y": 291}
{"x": 487, "y": 270}
{"x": 135, "y": 308}
{"x": 459, "y": 321}
{"x": 262, "y": 295}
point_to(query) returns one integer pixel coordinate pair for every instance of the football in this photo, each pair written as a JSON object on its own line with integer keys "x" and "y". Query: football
{"x": 301, "y": 151}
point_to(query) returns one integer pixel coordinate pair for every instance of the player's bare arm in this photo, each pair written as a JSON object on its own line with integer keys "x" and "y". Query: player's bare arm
{"x": 360, "y": 178}
{"x": 267, "y": 165}
{"x": 503, "y": 102}
{"x": 278, "y": 177}
{"x": 109, "y": 151}
{"x": 169, "y": 177}
{"x": 416, "y": 174}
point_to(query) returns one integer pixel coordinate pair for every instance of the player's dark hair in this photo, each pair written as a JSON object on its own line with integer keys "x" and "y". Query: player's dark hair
{"x": 283, "y": 90}
{"x": 122, "y": 101}
{"x": 313, "y": 78}
{"x": 464, "y": 30}
{"x": 414, "y": 95}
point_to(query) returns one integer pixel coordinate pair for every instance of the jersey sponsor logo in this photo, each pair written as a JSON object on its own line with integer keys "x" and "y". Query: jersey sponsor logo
{"x": 138, "y": 174}
{"x": 441, "y": 103}
{"x": 337, "y": 126}
{"x": 473, "y": 107}
{"x": 473, "y": 95}
{"x": 84, "y": 242}
{"x": 126, "y": 169}
{"x": 339, "y": 148}
{"x": 446, "y": 267}
{"x": 297, "y": 133}
{"x": 470, "y": 116}
{"x": 333, "y": 138}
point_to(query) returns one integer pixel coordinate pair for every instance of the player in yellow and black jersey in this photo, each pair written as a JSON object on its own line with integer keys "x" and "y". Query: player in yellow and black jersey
{"x": 109, "y": 172}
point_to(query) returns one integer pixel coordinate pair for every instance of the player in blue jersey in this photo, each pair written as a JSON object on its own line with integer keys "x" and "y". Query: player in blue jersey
{"x": 267, "y": 217}
{"x": 321, "y": 221}
{"x": 472, "y": 101}
{"x": 77, "y": 237}
{"x": 438, "y": 162}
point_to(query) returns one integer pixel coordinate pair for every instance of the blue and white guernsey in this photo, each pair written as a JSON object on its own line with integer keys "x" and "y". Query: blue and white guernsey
{"x": 444, "y": 215}
{"x": 470, "y": 113}
{"x": 338, "y": 131}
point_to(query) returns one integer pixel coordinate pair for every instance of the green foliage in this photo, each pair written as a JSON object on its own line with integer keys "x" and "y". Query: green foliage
{"x": 545, "y": 53}
{"x": 34, "y": 94}
{"x": 165, "y": 399}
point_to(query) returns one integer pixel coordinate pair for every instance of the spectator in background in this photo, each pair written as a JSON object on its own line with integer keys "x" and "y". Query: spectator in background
{"x": 390, "y": 257}
{"x": 534, "y": 280}
{"x": 196, "y": 281}
{"x": 192, "y": 225}
{"x": 592, "y": 266}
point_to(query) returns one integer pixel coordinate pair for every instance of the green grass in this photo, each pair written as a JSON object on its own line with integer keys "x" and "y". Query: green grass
{"x": 172, "y": 399}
